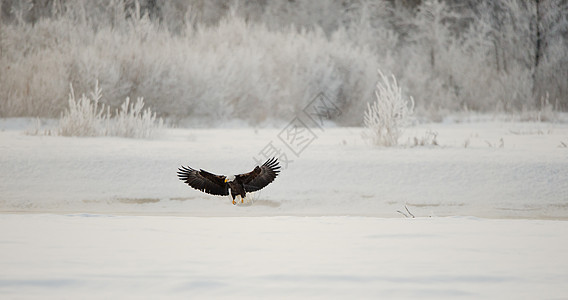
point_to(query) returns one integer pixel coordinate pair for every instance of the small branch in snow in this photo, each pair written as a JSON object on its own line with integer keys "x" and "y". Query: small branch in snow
{"x": 405, "y": 215}
{"x": 408, "y": 211}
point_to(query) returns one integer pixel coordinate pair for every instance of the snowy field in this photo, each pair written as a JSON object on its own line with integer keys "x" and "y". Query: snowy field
{"x": 86, "y": 256}
{"x": 101, "y": 217}
{"x": 488, "y": 170}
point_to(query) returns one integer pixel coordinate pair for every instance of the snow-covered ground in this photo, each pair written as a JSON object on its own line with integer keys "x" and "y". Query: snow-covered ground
{"x": 490, "y": 170}
{"x": 101, "y": 217}
{"x": 84, "y": 256}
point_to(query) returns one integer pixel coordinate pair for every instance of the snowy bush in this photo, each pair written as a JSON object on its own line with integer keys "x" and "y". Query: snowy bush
{"x": 132, "y": 120}
{"x": 387, "y": 117}
{"x": 428, "y": 139}
{"x": 87, "y": 116}
{"x": 231, "y": 69}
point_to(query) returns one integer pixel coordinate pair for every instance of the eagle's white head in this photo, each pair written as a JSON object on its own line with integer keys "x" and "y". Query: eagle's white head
{"x": 230, "y": 178}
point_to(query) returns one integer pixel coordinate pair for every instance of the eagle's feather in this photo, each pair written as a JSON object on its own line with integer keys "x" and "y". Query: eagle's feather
{"x": 204, "y": 181}
{"x": 260, "y": 176}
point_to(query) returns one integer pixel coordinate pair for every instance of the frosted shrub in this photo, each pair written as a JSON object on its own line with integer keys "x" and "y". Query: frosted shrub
{"x": 386, "y": 118}
{"x": 85, "y": 116}
{"x": 88, "y": 117}
{"x": 231, "y": 68}
{"x": 132, "y": 120}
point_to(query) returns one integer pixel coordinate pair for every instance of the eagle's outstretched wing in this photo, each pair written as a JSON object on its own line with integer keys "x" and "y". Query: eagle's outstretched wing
{"x": 260, "y": 176}
{"x": 203, "y": 181}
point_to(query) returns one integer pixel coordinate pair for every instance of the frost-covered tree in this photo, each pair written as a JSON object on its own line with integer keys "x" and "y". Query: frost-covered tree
{"x": 387, "y": 117}
{"x": 259, "y": 60}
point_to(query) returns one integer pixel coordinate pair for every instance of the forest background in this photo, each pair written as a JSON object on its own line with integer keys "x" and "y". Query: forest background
{"x": 260, "y": 60}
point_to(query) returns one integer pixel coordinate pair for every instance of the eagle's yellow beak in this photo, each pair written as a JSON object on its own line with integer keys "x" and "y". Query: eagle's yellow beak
{"x": 225, "y": 180}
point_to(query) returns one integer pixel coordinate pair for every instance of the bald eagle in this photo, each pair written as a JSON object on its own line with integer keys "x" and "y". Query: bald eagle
{"x": 237, "y": 185}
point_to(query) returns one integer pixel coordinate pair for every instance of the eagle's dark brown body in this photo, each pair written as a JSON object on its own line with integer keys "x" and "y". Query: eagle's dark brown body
{"x": 237, "y": 185}
{"x": 237, "y": 188}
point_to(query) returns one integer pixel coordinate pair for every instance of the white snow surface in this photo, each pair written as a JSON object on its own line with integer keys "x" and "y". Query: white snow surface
{"x": 83, "y": 256}
{"x": 99, "y": 218}
{"x": 337, "y": 174}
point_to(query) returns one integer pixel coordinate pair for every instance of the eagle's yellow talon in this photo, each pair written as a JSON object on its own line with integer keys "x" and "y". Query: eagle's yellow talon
{"x": 242, "y": 200}
{"x": 234, "y": 202}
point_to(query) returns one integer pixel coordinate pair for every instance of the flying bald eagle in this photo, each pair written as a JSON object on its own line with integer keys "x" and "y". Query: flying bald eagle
{"x": 237, "y": 185}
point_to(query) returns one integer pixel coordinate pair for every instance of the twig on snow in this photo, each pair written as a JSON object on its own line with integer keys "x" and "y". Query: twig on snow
{"x": 408, "y": 211}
